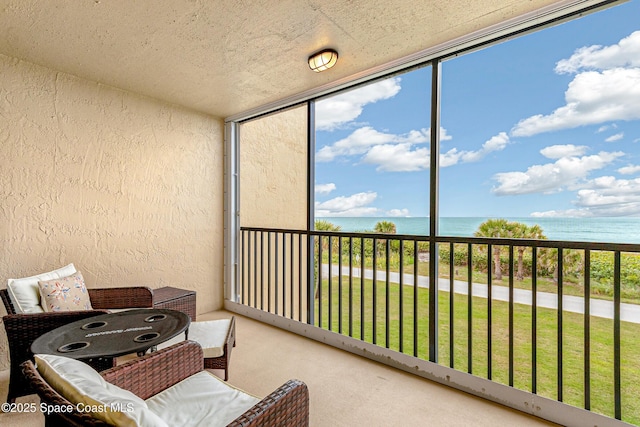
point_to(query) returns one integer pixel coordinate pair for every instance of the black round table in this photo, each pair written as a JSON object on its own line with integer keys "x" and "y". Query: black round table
{"x": 113, "y": 335}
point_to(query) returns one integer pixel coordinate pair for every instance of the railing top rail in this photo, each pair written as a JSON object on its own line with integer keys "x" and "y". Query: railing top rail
{"x": 499, "y": 241}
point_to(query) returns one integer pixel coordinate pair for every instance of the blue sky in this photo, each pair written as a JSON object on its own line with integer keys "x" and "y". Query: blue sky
{"x": 545, "y": 125}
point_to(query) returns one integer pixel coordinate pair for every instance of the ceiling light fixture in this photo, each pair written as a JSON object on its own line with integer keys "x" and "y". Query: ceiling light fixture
{"x": 323, "y": 60}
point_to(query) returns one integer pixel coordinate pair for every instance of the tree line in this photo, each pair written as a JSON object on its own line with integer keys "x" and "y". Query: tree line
{"x": 546, "y": 258}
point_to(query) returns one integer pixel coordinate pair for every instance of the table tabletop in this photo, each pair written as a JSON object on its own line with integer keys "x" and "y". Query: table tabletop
{"x": 114, "y": 334}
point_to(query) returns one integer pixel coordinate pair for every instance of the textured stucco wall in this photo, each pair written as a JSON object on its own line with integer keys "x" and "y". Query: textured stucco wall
{"x": 273, "y": 194}
{"x": 273, "y": 170}
{"x": 127, "y": 188}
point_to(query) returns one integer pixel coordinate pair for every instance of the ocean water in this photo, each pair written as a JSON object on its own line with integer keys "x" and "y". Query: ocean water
{"x": 609, "y": 230}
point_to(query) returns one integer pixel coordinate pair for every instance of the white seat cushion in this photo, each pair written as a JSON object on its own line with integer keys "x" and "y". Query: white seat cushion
{"x": 210, "y": 334}
{"x": 201, "y": 400}
{"x": 83, "y": 386}
{"x": 25, "y": 293}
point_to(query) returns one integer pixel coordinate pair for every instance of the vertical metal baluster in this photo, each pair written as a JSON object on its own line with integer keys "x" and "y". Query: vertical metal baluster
{"x": 415, "y": 298}
{"x": 469, "y": 309}
{"x": 375, "y": 290}
{"x": 300, "y": 276}
{"x": 616, "y": 335}
{"x": 330, "y": 286}
{"x": 534, "y": 319}
{"x": 262, "y": 265}
{"x": 451, "y": 307}
{"x": 246, "y": 255}
{"x": 292, "y": 300}
{"x": 255, "y": 269}
{"x": 350, "y": 286}
{"x": 362, "y": 266}
{"x": 489, "y": 311}
{"x": 275, "y": 285}
{"x": 560, "y": 322}
{"x": 284, "y": 275}
{"x": 401, "y": 295}
{"x": 339, "y": 285}
{"x": 387, "y": 294}
{"x": 268, "y": 275}
{"x": 511, "y": 312}
{"x": 587, "y": 329}
{"x": 319, "y": 288}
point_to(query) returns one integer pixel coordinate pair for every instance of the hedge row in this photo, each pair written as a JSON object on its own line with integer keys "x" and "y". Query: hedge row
{"x": 601, "y": 262}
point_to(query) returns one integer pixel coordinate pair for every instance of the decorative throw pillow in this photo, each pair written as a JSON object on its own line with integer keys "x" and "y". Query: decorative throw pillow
{"x": 25, "y": 294}
{"x": 65, "y": 294}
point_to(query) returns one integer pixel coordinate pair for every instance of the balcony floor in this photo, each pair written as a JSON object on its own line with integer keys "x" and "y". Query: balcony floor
{"x": 345, "y": 389}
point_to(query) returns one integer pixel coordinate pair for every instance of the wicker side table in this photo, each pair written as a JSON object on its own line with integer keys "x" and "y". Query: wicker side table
{"x": 175, "y": 299}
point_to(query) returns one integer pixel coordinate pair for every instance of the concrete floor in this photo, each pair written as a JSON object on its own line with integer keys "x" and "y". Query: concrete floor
{"x": 345, "y": 389}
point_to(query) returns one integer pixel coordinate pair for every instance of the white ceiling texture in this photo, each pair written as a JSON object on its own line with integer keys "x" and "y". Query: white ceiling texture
{"x": 225, "y": 57}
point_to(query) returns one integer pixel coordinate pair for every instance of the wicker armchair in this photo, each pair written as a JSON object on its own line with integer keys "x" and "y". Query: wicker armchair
{"x": 23, "y": 329}
{"x": 147, "y": 376}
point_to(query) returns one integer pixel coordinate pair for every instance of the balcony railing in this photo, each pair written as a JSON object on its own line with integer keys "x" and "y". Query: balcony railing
{"x": 545, "y": 317}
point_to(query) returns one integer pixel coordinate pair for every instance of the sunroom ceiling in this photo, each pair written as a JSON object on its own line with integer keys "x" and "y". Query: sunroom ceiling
{"x": 223, "y": 57}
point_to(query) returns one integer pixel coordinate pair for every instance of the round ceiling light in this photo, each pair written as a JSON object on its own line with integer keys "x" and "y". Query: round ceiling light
{"x": 323, "y": 60}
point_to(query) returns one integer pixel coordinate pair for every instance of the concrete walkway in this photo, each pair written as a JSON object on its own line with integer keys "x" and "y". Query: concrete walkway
{"x": 598, "y": 307}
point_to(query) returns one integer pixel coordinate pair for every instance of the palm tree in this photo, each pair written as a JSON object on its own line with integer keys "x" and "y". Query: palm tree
{"x": 572, "y": 260}
{"x": 494, "y": 228}
{"x": 324, "y": 225}
{"x": 523, "y": 231}
{"x": 385, "y": 227}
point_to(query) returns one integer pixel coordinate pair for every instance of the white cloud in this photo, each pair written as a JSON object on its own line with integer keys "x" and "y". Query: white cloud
{"x": 559, "y": 151}
{"x": 608, "y": 196}
{"x": 354, "y": 205}
{"x": 325, "y": 188}
{"x": 450, "y": 158}
{"x": 453, "y": 156}
{"x": 398, "y": 158}
{"x": 566, "y": 172}
{"x": 624, "y": 54}
{"x": 616, "y": 137}
{"x": 398, "y": 213}
{"x": 363, "y": 139}
{"x": 355, "y": 212}
{"x": 495, "y": 143}
{"x": 444, "y": 136}
{"x": 606, "y": 87}
{"x": 372, "y": 144}
{"x": 604, "y": 196}
{"x": 629, "y": 170}
{"x": 337, "y": 110}
{"x": 569, "y": 213}
{"x": 606, "y": 128}
{"x": 397, "y": 153}
{"x": 592, "y": 97}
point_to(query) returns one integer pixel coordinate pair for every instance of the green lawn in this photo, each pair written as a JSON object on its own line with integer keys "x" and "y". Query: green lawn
{"x": 573, "y": 355}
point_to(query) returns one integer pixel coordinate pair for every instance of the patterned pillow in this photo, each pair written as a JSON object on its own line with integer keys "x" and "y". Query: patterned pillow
{"x": 65, "y": 294}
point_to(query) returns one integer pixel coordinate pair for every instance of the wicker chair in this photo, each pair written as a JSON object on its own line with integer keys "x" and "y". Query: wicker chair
{"x": 222, "y": 362}
{"x": 202, "y": 332}
{"x": 147, "y": 376}
{"x": 23, "y": 329}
